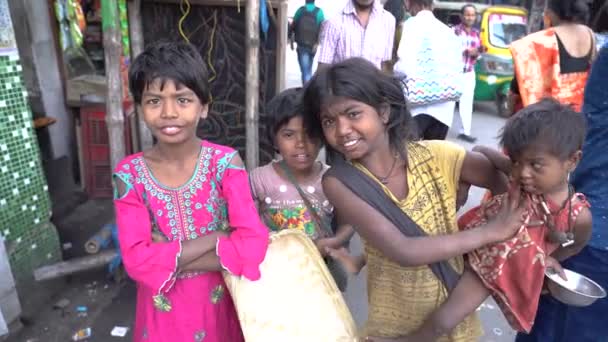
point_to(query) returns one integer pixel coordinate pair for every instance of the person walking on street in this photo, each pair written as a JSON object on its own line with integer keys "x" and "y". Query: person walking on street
{"x": 471, "y": 50}
{"x": 397, "y": 9}
{"x": 305, "y": 32}
{"x": 429, "y": 54}
{"x": 363, "y": 29}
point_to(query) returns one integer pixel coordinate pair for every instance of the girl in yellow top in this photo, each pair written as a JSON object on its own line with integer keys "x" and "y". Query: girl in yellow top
{"x": 361, "y": 114}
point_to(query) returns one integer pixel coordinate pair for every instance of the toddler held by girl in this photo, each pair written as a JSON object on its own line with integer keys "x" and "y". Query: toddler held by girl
{"x": 543, "y": 142}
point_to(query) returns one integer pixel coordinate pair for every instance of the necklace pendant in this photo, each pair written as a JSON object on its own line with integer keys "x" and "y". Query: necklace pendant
{"x": 562, "y": 238}
{"x": 568, "y": 243}
{"x": 384, "y": 181}
{"x": 569, "y": 240}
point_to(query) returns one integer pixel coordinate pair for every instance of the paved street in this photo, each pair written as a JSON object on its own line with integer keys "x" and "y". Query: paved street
{"x": 486, "y": 125}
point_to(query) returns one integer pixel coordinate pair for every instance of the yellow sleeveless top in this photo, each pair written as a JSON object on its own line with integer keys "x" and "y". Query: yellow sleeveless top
{"x": 400, "y": 298}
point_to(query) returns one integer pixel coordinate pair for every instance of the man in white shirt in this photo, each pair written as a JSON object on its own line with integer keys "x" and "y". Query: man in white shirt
{"x": 433, "y": 120}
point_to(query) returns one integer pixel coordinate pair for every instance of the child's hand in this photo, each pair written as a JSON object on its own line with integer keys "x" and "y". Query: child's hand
{"x": 554, "y": 266}
{"x": 351, "y": 264}
{"x": 323, "y": 245}
{"x": 511, "y": 215}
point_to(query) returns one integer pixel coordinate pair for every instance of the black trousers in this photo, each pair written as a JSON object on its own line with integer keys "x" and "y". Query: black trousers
{"x": 430, "y": 128}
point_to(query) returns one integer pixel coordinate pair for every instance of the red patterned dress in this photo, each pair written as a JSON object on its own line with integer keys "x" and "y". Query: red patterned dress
{"x": 514, "y": 269}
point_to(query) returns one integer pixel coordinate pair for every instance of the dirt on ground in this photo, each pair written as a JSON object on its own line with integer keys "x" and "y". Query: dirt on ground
{"x": 88, "y": 301}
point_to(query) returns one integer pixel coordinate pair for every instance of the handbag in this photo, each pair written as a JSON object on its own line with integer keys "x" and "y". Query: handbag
{"x": 335, "y": 268}
{"x": 434, "y": 81}
{"x": 370, "y": 191}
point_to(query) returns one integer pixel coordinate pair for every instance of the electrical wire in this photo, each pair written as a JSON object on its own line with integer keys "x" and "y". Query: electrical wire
{"x": 211, "y": 47}
{"x": 185, "y": 8}
{"x": 185, "y": 11}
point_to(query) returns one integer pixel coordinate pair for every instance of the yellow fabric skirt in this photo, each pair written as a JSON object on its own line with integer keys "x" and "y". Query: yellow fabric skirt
{"x": 296, "y": 298}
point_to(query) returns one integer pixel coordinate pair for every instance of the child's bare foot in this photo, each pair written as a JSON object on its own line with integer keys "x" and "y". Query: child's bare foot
{"x": 351, "y": 264}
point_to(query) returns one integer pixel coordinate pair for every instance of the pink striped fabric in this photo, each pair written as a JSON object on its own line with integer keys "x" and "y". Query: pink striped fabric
{"x": 343, "y": 37}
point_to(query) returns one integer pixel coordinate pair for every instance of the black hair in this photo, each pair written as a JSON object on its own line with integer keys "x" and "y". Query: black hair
{"x": 422, "y": 3}
{"x": 468, "y": 6}
{"x": 282, "y": 108}
{"x": 575, "y": 11}
{"x": 555, "y": 126}
{"x": 179, "y": 62}
{"x": 360, "y": 80}
{"x": 600, "y": 22}
{"x": 310, "y": 1}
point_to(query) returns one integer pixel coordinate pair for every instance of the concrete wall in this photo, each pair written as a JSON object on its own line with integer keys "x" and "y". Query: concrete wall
{"x": 35, "y": 41}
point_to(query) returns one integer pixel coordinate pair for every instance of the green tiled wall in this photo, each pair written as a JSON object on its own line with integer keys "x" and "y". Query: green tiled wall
{"x": 24, "y": 200}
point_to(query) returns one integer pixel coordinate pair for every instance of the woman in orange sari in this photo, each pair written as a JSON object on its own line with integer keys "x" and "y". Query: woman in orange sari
{"x": 555, "y": 62}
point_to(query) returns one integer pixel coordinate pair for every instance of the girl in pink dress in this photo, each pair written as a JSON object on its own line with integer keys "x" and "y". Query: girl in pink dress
{"x": 183, "y": 208}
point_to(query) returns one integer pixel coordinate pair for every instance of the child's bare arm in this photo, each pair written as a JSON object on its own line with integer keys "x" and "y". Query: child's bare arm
{"x": 582, "y": 234}
{"x": 466, "y": 297}
{"x": 498, "y": 159}
{"x": 479, "y": 170}
{"x": 208, "y": 262}
{"x": 343, "y": 234}
{"x": 382, "y": 234}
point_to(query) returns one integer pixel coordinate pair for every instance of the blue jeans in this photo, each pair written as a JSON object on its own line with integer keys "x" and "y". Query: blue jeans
{"x": 557, "y": 322}
{"x": 305, "y": 58}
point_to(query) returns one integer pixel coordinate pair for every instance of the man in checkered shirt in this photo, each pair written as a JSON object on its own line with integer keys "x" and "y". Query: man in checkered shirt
{"x": 363, "y": 29}
{"x": 471, "y": 50}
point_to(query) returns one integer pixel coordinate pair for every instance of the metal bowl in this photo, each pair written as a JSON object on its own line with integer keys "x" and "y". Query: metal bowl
{"x": 578, "y": 290}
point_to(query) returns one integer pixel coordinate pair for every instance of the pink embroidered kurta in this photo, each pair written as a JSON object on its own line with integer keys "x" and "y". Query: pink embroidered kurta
{"x": 191, "y": 306}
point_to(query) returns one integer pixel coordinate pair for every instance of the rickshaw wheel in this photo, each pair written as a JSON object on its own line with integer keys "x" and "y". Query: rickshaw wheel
{"x": 502, "y": 106}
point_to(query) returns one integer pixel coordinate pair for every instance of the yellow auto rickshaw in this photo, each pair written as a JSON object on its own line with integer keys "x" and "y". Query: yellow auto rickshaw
{"x": 499, "y": 27}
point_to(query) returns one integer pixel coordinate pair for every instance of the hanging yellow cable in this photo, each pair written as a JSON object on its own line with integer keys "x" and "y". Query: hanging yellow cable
{"x": 211, "y": 46}
{"x": 185, "y": 7}
{"x": 185, "y": 11}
